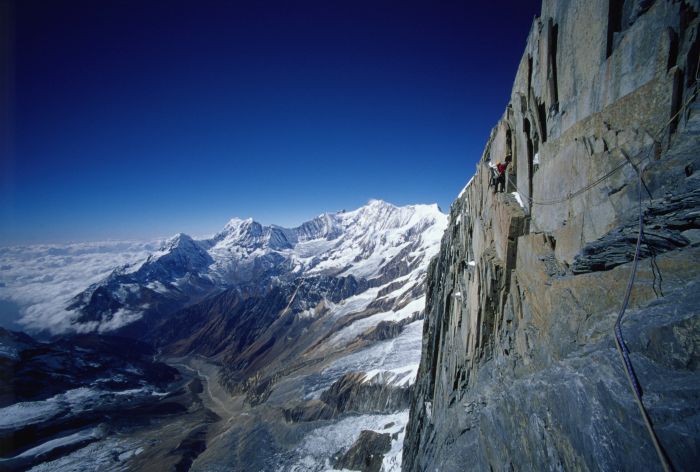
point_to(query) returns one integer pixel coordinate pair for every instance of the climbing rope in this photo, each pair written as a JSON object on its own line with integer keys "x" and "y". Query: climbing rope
{"x": 619, "y": 339}
{"x": 622, "y": 346}
{"x": 578, "y": 192}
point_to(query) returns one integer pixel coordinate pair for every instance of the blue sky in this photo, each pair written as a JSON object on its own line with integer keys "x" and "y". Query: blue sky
{"x": 133, "y": 119}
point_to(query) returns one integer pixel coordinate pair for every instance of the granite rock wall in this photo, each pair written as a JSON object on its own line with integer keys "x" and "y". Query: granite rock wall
{"x": 519, "y": 369}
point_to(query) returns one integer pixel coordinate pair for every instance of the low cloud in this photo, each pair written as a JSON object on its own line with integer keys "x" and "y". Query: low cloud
{"x": 41, "y": 279}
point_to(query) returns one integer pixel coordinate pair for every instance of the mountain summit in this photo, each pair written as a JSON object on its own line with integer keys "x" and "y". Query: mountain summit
{"x": 371, "y": 244}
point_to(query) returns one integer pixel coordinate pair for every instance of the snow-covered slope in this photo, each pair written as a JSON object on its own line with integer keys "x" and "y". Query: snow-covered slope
{"x": 357, "y": 243}
{"x": 374, "y": 243}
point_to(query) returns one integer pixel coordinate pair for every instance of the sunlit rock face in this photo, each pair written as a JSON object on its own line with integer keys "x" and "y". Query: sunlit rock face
{"x": 519, "y": 369}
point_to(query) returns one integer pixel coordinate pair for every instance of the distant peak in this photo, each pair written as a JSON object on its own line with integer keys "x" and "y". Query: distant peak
{"x": 235, "y": 221}
{"x": 180, "y": 240}
{"x": 378, "y": 202}
{"x": 177, "y": 239}
{"x": 238, "y": 224}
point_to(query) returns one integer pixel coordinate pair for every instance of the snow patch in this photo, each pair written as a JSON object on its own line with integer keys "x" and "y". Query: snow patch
{"x": 351, "y": 332}
{"x": 71, "y": 402}
{"x": 99, "y": 455}
{"x": 518, "y": 198}
{"x": 313, "y": 454}
{"x": 393, "y": 355}
{"x": 80, "y": 436}
{"x": 466, "y": 187}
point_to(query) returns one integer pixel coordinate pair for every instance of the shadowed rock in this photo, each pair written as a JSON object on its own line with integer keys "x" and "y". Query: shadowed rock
{"x": 366, "y": 453}
{"x": 352, "y": 393}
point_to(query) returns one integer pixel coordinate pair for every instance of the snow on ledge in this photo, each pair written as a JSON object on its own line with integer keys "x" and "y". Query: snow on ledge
{"x": 466, "y": 187}
{"x": 399, "y": 377}
{"x": 518, "y": 198}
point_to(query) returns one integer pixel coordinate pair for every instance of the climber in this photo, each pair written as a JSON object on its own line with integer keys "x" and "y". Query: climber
{"x": 501, "y": 168}
{"x": 493, "y": 176}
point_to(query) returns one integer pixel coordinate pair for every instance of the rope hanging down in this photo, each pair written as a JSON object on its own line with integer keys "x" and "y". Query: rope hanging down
{"x": 622, "y": 347}
{"x": 619, "y": 339}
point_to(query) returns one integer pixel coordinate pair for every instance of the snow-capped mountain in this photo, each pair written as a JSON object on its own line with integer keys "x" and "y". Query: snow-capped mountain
{"x": 304, "y": 337}
{"x": 373, "y": 243}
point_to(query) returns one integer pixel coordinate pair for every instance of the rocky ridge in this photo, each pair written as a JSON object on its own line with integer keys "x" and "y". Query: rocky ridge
{"x": 519, "y": 369}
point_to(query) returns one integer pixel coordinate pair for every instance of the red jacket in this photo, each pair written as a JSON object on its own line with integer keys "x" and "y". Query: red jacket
{"x": 501, "y": 167}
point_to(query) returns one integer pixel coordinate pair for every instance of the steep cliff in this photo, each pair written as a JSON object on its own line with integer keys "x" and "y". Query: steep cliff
{"x": 519, "y": 366}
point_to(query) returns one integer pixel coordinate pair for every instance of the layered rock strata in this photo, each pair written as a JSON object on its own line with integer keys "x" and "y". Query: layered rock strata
{"x": 519, "y": 369}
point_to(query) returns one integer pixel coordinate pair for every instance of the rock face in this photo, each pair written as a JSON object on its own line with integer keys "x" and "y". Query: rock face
{"x": 353, "y": 393}
{"x": 367, "y": 452}
{"x": 519, "y": 369}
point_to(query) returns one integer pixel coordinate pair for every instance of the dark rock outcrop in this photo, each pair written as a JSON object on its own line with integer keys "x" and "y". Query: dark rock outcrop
{"x": 666, "y": 220}
{"x": 366, "y": 453}
{"x": 390, "y": 329}
{"x": 384, "y": 330}
{"x": 352, "y": 393}
{"x": 312, "y": 410}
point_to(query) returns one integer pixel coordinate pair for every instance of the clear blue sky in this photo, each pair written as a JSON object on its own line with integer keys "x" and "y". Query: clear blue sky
{"x": 136, "y": 119}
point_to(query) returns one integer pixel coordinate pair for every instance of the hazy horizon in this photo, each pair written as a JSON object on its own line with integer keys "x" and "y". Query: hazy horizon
{"x": 201, "y": 234}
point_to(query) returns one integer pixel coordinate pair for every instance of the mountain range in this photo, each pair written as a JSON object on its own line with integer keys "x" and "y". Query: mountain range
{"x": 317, "y": 325}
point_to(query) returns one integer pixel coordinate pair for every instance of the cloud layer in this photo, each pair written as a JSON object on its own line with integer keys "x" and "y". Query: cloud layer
{"x": 41, "y": 279}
